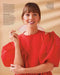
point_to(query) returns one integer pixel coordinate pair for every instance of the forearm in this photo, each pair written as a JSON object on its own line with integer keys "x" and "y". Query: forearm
{"x": 18, "y": 58}
{"x": 40, "y": 69}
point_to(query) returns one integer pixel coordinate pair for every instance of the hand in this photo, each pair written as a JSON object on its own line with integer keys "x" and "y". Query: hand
{"x": 14, "y": 36}
{"x": 17, "y": 69}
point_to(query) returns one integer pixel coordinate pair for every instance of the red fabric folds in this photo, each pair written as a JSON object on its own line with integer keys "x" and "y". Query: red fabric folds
{"x": 35, "y": 49}
{"x": 50, "y": 51}
{"x": 7, "y": 54}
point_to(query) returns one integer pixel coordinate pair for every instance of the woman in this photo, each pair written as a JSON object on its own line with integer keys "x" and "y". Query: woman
{"x": 36, "y": 52}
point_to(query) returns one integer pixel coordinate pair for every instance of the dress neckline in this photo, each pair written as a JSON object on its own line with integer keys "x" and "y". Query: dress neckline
{"x": 31, "y": 34}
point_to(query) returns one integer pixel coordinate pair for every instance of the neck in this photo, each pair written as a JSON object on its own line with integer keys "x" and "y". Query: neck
{"x": 31, "y": 30}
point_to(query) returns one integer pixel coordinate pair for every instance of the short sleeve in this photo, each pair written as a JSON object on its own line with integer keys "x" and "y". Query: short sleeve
{"x": 7, "y": 54}
{"x": 51, "y": 51}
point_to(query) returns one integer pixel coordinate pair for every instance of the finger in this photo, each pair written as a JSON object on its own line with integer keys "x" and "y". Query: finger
{"x": 14, "y": 35}
{"x": 13, "y": 31}
{"x": 12, "y": 65}
{"x": 12, "y": 69}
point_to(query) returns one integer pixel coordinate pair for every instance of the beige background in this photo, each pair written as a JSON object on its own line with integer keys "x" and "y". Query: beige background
{"x": 50, "y": 21}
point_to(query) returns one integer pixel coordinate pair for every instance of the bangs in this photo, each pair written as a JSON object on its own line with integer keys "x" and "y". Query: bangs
{"x": 31, "y": 9}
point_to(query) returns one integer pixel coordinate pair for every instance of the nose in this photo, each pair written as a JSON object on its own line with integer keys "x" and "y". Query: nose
{"x": 31, "y": 17}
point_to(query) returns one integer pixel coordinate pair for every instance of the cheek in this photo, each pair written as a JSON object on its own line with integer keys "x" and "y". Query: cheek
{"x": 37, "y": 20}
{"x": 25, "y": 18}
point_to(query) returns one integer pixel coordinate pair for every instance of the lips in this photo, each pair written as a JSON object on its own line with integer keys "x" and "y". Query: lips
{"x": 31, "y": 22}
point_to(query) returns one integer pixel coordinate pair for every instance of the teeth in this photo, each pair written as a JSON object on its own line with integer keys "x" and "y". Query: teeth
{"x": 31, "y": 22}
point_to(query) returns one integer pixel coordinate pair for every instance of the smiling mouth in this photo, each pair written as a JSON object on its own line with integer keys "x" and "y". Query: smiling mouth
{"x": 31, "y": 22}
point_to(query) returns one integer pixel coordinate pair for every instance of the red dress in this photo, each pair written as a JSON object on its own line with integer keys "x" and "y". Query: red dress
{"x": 36, "y": 49}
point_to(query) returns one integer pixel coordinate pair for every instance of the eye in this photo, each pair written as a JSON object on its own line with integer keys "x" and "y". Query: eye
{"x": 35, "y": 14}
{"x": 27, "y": 14}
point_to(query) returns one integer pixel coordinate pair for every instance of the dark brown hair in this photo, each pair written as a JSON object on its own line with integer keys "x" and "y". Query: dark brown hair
{"x": 31, "y": 7}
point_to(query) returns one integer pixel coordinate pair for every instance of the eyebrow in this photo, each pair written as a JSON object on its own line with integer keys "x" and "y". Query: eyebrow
{"x": 32, "y": 12}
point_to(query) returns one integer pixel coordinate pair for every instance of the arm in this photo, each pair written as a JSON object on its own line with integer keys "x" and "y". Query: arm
{"x": 18, "y": 58}
{"x": 40, "y": 69}
{"x": 33, "y": 70}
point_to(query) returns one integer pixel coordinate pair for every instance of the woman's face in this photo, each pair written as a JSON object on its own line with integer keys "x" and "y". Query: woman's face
{"x": 31, "y": 19}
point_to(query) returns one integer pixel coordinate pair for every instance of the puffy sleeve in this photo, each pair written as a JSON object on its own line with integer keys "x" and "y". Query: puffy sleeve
{"x": 50, "y": 51}
{"x": 7, "y": 54}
